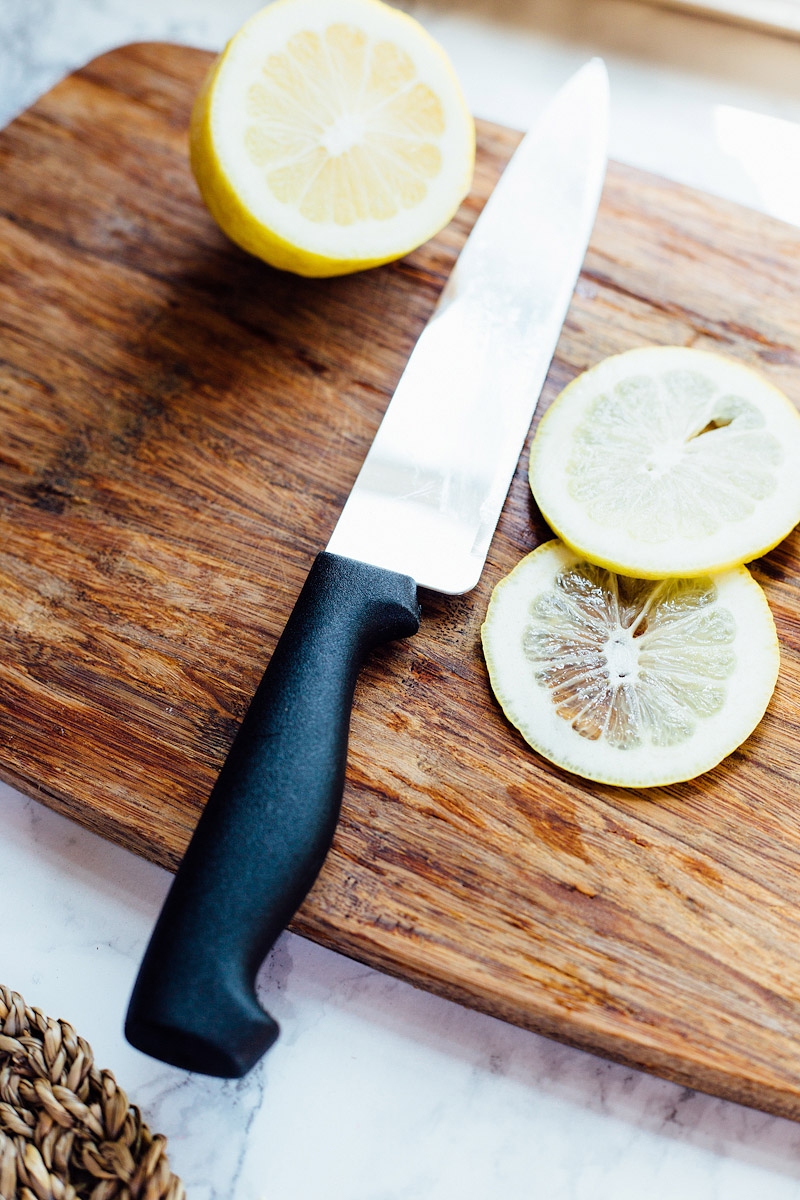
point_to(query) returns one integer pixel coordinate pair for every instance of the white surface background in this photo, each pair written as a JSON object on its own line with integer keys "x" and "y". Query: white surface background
{"x": 377, "y": 1091}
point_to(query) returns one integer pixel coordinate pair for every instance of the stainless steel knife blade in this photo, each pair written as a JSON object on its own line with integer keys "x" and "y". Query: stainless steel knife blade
{"x": 428, "y": 497}
{"x": 422, "y": 512}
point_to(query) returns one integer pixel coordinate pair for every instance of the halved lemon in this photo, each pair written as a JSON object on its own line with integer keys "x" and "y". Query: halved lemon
{"x": 331, "y": 135}
{"x": 669, "y": 461}
{"x": 629, "y": 681}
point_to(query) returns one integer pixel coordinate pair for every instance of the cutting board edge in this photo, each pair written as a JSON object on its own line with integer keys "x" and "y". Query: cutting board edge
{"x": 548, "y": 1021}
{"x": 147, "y": 846}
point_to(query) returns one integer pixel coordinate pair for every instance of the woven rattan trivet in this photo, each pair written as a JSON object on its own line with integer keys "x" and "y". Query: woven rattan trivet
{"x": 66, "y": 1129}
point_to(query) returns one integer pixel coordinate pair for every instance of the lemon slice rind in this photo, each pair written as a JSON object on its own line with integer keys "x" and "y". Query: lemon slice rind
{"x": 530, "y": 705}
{"x": 563, "y": 448}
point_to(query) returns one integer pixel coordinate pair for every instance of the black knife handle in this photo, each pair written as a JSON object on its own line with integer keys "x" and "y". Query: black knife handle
{"x": 266, "y": 828}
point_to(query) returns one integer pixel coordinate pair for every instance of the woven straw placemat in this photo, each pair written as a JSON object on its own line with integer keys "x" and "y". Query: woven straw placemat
{"x": 67, "y": 1130}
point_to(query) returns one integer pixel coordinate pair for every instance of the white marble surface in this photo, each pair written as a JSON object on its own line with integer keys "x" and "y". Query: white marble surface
{"x": 377, "y": 1091}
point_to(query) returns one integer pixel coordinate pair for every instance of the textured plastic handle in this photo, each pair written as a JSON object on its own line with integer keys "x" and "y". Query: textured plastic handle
{"x": 266, "y": 828}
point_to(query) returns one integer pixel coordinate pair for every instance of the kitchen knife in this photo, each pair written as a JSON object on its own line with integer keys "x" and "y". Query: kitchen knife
{"x": 422, "y": 512}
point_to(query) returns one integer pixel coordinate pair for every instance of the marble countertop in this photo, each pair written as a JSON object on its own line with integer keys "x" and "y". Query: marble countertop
{"x": 377, "y": 1091}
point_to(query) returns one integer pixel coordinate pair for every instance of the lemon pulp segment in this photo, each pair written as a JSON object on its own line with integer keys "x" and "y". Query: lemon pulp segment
{"x": 332, "y": 136}
{"x": 629, "y": 681}
{"x": 669, "y": 461}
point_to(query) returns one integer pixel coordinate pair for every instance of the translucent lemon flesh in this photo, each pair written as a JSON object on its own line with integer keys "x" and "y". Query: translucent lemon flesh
{"x": 332, "y": 135}
{"x": 669, "y": 461}
{"x": 629, "y": 681}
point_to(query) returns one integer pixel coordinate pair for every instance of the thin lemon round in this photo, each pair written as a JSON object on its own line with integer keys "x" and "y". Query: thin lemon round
{"x": 669, "y": 461}
{"x": 331, "y": 135}
{"x": 634, "y": 682}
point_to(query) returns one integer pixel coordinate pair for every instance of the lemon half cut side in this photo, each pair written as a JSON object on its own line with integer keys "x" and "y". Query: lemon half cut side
{"x": 669, "y": 461}
{"x": 331, "y": 135}
{"x": 629, "y": 681}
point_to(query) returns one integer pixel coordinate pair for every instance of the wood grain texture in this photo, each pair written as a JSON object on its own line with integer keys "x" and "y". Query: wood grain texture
{"x": 180, "y": 428}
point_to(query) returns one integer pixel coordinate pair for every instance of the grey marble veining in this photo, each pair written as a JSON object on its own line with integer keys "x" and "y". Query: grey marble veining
{"x": 377, "y": 1091}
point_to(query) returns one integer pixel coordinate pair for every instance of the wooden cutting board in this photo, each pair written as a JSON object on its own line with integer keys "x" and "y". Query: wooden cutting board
{"x": 179, "y": 428}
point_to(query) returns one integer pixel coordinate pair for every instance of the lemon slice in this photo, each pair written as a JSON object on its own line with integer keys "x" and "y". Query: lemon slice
{"x": 629, "y": 681}
{"x": 331, "y": 135}
{"x": 669, "y": 461}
